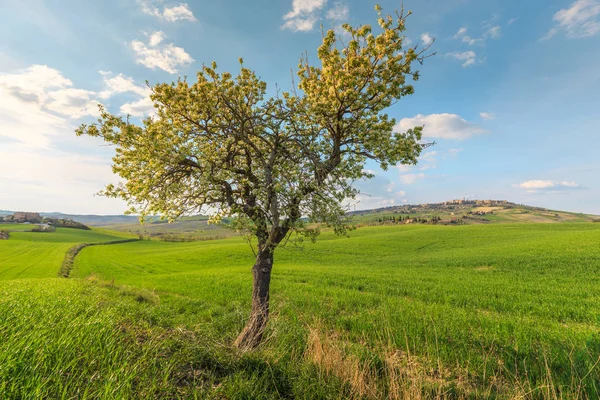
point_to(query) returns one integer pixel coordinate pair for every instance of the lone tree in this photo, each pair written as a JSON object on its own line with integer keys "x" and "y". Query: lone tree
{"x": 220, "y": 144}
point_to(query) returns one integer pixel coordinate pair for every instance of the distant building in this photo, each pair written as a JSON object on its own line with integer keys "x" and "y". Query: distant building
{"x": 24, "y": 217}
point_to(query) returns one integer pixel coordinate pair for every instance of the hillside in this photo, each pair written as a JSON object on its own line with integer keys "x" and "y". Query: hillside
{"x": 414, "y": 311}
{"x": 472, "y": 212}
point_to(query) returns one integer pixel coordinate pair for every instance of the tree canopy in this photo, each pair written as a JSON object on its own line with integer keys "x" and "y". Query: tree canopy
{"x": 221, "y": 143}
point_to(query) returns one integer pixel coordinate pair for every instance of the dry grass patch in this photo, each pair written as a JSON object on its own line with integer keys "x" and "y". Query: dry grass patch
{"x": 402, "y": 376}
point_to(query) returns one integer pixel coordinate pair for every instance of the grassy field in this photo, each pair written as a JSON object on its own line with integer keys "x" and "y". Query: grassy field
{"x": 17, "y": 227}
{"x": 191, "y": 228}
{"x": 480, "y": 311}
{"x": 39, "y": 254}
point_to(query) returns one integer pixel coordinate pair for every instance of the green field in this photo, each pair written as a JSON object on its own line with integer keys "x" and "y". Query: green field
{"x": 479, "y": 311}
{"x": 17, "y": 227}
{"x": 39, "y": 254}
{"x": 184, "y": 229}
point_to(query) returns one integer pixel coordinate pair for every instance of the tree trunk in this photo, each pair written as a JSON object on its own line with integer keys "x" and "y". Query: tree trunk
{"x": 252, "y": 334}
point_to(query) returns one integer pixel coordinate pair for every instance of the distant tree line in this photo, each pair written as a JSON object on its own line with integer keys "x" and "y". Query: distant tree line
{"x": 434, "y": 220}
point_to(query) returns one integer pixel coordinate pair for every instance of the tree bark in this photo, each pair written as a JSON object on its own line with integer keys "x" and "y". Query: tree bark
{"x": 252, "y": 334}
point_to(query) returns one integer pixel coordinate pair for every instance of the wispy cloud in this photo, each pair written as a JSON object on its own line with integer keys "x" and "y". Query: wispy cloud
{"x": 377, "y": 192}
{"x": 581, "y": 20}
{"x": 487, "y": 116}
{"x": 426, "y": 161}
{"x": 155, "y": 54}
{"x": 120, "y": 83}
{"x": 339, "y": 12}
{"x": 303, "y": 15}
{"x": 173, "y": 13}
{"x": 462, "y": 31}
{"x": 490, "y": 32}
{"x": 542, "y": 186}
{"x": 468, "y": 57}
{"x": 426, "y": 38}
{"x": 409, "y": 179}
{"x": 441, "y": 126}
{"x": 306, "y": 13}
{"x": 461, "y": 35}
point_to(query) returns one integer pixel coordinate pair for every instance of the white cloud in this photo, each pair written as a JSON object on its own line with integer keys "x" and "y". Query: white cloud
{"x": 460, "y": 33}
{"x": 155, "y": 38}
{"x": 306, "y": 13}
{"x": 303, "y": 16}
{"x": 580, "y": 20}
{"x": 304, "y": 7}
{"x": 38, "y": 89}
{"x": 36, "y": 78}
{"x": 538, "y": 185}
{"x": 426, "y": 38}
{"x": 471, "y": 41}
{"x": 121, "y": 84}
{"x": 154, "y": 55}
{"x": 180, "y": 12}
{"x": 74, "y": 103}
{"x": 339, "y": 12}
{"x": 409, "y": 179}
{"x": 441, "y": 126}
{"x": 300, "y": 24}
{"x": 26, "y": 122}
{"x": 493, "y": 32}
{"x": 487, "y": 116}
{"x": 139, "y": 108}
{"x": 468, "y": 57}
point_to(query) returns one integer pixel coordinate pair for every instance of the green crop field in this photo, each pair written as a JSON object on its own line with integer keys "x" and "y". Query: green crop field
{"x": 17, "y": 227}
{"x": 478, "y": 311}
{"x": 39, "y": 254}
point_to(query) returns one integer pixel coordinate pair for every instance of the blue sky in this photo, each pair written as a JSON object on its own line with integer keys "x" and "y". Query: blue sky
{"x": 511, "y": 97}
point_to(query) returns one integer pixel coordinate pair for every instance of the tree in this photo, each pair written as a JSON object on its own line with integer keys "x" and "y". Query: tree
{"x": 220, "y": 144}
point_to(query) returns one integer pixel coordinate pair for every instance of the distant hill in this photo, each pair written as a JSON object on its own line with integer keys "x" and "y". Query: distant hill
{"x": 472, "y": 212}
{"x": 95, "y": 220}
{"x": 449, "y": 212}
